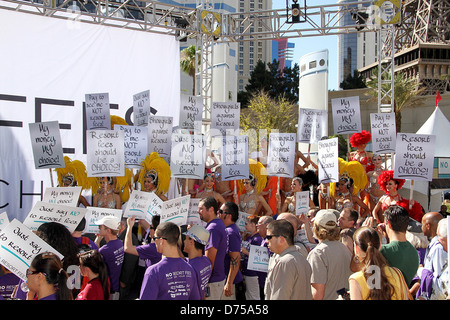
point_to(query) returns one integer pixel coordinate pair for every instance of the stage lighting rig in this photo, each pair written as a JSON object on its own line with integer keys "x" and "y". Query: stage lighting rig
{"x": 295, "y": 13}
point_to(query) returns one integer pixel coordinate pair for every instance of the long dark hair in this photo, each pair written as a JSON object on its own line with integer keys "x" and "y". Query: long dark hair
{"x": 51, "y": 266}
{"x": 94, "y": 261}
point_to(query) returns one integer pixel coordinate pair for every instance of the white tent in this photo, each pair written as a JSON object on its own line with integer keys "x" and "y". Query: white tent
{"x": 438, "y": 125}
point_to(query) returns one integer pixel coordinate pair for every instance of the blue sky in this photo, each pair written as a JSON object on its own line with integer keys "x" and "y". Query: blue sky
{"x": 311, "y": 44}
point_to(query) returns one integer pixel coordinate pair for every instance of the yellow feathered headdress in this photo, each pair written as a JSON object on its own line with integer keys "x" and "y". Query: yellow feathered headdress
{"x": 258, "y": 174}
{"x": 74, "y": 170}
{"x": 155, "y": 166}
{"x": 353, "y": 170}
{"x": 117, "y": 120}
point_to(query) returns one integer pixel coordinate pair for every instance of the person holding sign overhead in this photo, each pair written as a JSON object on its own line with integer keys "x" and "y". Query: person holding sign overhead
{"x": 154, "y": 175}
{"x": 250, "y": 201}
{"x": 373, "y": 188}
{"x": 289, "y": 203}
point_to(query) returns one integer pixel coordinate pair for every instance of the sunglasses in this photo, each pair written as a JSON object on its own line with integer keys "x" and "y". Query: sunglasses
{"x": 269, "y": 237}
{"x": 220, "y": 211}
{"x": 156, "y": 238}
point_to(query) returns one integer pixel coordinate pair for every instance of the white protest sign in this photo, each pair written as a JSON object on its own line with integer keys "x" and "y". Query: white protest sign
{"x": 191, "y": 110}
{"x": 281, "y": 155}
{"x": 258, "y": 258}
{"x": 414, "y": 156}
{"x": 94, "y": 214}
{"x": 225, "y": 118}
{"x": 105, "y": 153}
{"x": 383, "y": 132}
{"x": 18, "y": 247}
{"x": 97, "y": 111}
{"x": 143, "y": 205}
{"x": 187, "y": 158}
{"x": 176, "y": 210}
{"x": 444, "y": 166}
{"x": 193, "y": 216}
{"x": 67, "y": 196}
{"x": 346, "y": 115}
{"x": 242, "y": 220}
{"x": 312, "y": 125}
{"x": 135, "y": 144}
{"x": 159, "y": 136}
{"x": 301, "y": 202}
{"x": 4, "y": 220}
{"x": 46, "y": 144}
{"x": 328, "y": 160}
{"x": 141, "y": 108}
{"x": 234, "y": 158}
{"x": 44, "y": 212}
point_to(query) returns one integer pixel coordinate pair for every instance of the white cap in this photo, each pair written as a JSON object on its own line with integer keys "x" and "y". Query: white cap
{"x": 110, "y": 222}
{"x": 198, "y": 233}
{"x": 324, "y": 216}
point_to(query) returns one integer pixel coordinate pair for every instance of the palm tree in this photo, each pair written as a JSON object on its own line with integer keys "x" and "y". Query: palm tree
{"x": 406, "y": 92}
{"x": 187, "y": 63}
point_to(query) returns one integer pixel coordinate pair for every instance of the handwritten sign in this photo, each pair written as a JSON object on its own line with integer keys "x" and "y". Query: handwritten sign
{"x": 281, "y": 155}
{"x": 105, "y": 153}
{"x": 187, "y": 158}
{"x": 94, "y": 214}
{"x": 258, "y": 258}
{"x": 97, "y": 111}
{"x": 135, "y": 144}
{"x": 143, "y": 205}
{"x": 4, "y": 220}
{"x": 383, "y": 132}
{"x": 346, "y": 115}
{"x": 301, "y": 202}
{"x": 46, "y": 144}
{"x": 312, "y": 125}
{"x": 141, "y": 108}
{"x": 225, "y": 118}
{"x": 242, "y": 220}
{"x": 18, "y": 247}
{"x": 159, "y": 136}
{"x": 328, "y": 160}
{"x": 44, "y": 212}
{"x": 191, "y": 110}
{"x": 414, "y": 156}
{"x": 176, "y": 210}
{"x": 193, "y": 217}
{"x": 67, "y": 196}
{"x": 234, "y": 158}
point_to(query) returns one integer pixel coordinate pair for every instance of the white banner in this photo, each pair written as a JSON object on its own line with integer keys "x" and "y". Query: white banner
{"x": 86, "y": 58}
{"x": 328, "y": 160}
{"x": 176, "y": 210}
{"x": 383, "y": 132}
{"x": 225, "y": 118}
{"x": 281, "y": 155}
{"x": 97, "y": 111}
{"x": 66, "y": 196}
{"x": 312, "y": 125}
{"x": 159, "y": 136}
{"x": 346, "y": 115}
{"x": 94, "y": 214}
{"x": 258, "y": 258}
{"x": 46, "y": 145}
{"x": 234, "y": 158}
{"x": 135, "y": 144}
{"x": 187, "y": 158}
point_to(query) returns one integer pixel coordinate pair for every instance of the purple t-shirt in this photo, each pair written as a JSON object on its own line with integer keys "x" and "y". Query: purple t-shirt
{"x": 8, "y": 282}
{"x": 149, "y": 253}
{"x": 255, "y": 240}
{"x": 202, "y": 268}
{"x": 234, "y": 245}
{"x": 218, "y": 239}
{"x": 91, "y": 244}
{"x": 170, "y": 279}
{"x": 113, "y": 254}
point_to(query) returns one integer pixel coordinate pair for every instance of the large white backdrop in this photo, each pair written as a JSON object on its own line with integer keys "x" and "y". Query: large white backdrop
{"x": 47, "y": 65}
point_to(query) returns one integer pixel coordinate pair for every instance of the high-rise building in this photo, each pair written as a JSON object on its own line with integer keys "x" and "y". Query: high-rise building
{"x": 282, "y": 51}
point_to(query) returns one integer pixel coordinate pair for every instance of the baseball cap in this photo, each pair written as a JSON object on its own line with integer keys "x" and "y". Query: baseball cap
{"x": 198, "y": 233}
{"x": 110, "y": 222}
{"x": 324, "y": 216}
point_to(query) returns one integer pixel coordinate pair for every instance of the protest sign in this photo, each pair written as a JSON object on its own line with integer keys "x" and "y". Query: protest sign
{"x": 94, "y": 214}
{"x": 301, "y": 202}
{"x": 67, "y": 196}
{"x": 97, "y": 111}
{"x": 242, "y": 220}
{"x": 193, "y": 217}
{"x": 159, "y": 136}
{"x": 191, "y": 110}
{"x": 143, "y": 205}
{"x": 18, "y": 247}
{"x": 234, "y": 158}
{"x": 414, "y": 156}
{"x": 258, "y": 258}
{"x": 135, "y": 144}
{"x": 225, "y": 118}
{"x": 346, "y": 115}
{"x": 4, "y": 220}
{"x": 281, "y": 156}
{"x": 141, "y": 108}
{"x": 105, "y": 153}
{"x": 328, "y": 151}
{"x": 383, "y": 132}
{"x": 312, "y": 125}
{"x": 176, "y": 210}
{"x": 187, "y": 157}
{"x": 44, "y": 212}
{"x": 46, "y": 144}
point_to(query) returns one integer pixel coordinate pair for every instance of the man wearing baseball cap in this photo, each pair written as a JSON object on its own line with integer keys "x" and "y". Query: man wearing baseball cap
{"x": 197, "y": 237}
{"x": 112, "y": 251}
